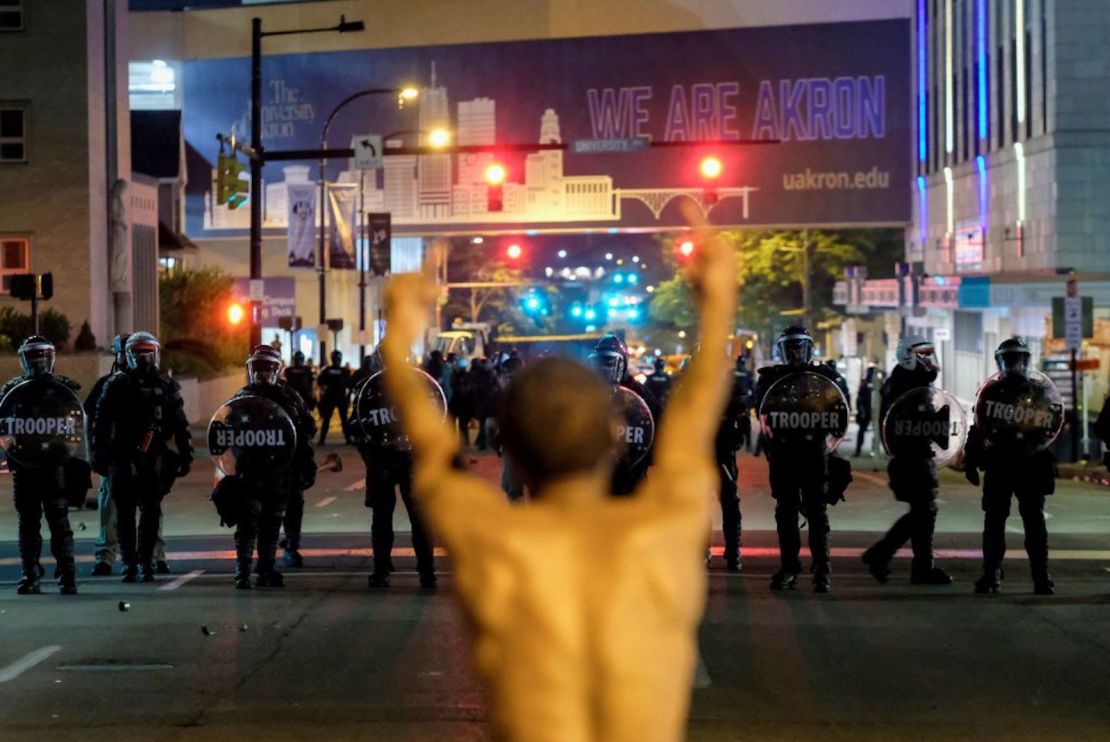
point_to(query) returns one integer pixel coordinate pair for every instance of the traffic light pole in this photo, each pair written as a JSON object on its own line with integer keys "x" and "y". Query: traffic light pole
{"x": 256, "y": 181}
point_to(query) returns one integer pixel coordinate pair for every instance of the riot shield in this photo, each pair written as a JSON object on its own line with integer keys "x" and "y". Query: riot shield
{"x": 925, "y": 422}
{"x": 42, "y": 423}
{"x": 804, "y": 409}
{"x": 252, "y": 437}
{"x": 376, "y": 417}
{"x": 1018, "y": 415}
{"x": 636, "y": 429}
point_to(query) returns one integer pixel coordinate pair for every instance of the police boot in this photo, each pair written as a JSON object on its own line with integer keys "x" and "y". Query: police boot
{"x": 293, "y": 558}
{"x": 876, "y": 565}
{"x": 1042, "y": 582}
{"x": 146, "y": 573}
{"x": 270, "y": 578}
{"x": 67, "y": 583}
{"x": 28, "y": 585}
{"x": 428, "y": 580}
{"x": 130, "y": 573}
{"x": 784, "y": 580}
{"x": 821, "y": 583}
{"x": 378, "y": 579}
{"x": 933, "y": 575}
{"x": 990, "y": 582}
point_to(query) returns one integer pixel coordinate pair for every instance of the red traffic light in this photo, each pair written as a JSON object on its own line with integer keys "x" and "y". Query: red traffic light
{"x": 514, "y": 251}
{"x": 495, "y": 174}
{"x": 711, "y": 168}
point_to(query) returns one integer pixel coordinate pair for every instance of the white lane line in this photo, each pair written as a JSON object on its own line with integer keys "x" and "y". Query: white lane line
{"x": 182, "y": 580}
{"x": 325, "y": 502}
{"x": 25, "y": 663}
{"x": 360, "y": 484}
{"x": 701, "y": 675}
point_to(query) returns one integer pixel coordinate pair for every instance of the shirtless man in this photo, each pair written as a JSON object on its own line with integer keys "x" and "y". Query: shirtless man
{"x": 584, "y": 608}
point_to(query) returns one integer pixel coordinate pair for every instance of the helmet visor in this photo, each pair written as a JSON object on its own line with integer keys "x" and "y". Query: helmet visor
{"x": 796, "y": 351}
{"x": 37, "y": 360}
{"x": 1013, "y": 362}
{"x": 263, "y": 371}
{"x": 610, "y": 366}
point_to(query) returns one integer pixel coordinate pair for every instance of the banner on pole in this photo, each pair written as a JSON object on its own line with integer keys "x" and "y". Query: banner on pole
{"x": 301, "y": 233}
{"x": 343, "y": 225}
{"x": 381, "y": 232}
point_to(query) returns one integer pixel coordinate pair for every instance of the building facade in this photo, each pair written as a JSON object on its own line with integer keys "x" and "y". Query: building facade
{"x": 1012, "y": 156}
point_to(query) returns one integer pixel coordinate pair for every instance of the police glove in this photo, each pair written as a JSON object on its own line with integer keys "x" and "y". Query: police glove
{"x": 971, "y": 473}
{"x": 184, "y": 468}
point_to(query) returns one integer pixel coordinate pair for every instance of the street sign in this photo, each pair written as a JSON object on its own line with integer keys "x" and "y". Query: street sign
{"x": 368, "y": 151}
{"x": 609, "y": 146}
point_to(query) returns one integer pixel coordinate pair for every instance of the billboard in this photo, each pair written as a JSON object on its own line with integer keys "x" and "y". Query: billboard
{"x": 828, "y": 105}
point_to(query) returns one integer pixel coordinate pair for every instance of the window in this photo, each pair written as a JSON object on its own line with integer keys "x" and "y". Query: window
{"x": 11, "y": 15}
{"x": 15, "y": 257}
{"x": 13, "y": 133}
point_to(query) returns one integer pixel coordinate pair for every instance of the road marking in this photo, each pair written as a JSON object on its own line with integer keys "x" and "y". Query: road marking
{"x": 325, "y": 502}
{"x": 182, "y": 580}
{"x": 25, "y": 663}
{"x": 360, "y": 484}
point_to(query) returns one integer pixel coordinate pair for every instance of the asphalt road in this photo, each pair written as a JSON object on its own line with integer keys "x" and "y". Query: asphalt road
{"x": 191, "y": 658}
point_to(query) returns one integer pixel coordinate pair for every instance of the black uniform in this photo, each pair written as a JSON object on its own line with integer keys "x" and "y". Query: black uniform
{"x": 139, "y": 413}
{"x": 1029, "y": 478}
{"x": 300, "y": 379}
{"x": 386, "y": 472}
{"x": 799, "y": 479}
{"x": 913, "y": 479}
{"x": 266, "y": 497}
{"x": 335, "y": 383}
{"x": 735, "y": 427}
{"x": 626, "y": 476}
{"x": 38, "y": 492}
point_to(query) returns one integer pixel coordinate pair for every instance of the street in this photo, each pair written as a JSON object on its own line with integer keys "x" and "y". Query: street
{"x": 191, "y": 658}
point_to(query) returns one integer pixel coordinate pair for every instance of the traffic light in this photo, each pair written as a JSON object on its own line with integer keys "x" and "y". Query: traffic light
{"x": 711, "y": 169}
{"x": 230, "y": 188}
{"x": 495, "y": 176}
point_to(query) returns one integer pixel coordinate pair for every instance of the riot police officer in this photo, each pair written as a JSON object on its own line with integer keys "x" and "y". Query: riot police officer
{"x": 139, "y": 413}
{"x": 660, "y": 381}
{"x": 610, "y": 358}
{"x": 799, "y": 469}
{"x": 41, "y": 489}
{"x": 300, "y": 379}
{"x": 266, "y": 494}
{"x": 389, "y": 465}
{"x": 335, "y": 385}
{"x": 1029, "y": 476}
{"x": 912, "y": 471}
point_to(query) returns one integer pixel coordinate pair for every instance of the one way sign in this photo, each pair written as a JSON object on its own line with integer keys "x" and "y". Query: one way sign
{"x": 368, "y": 151}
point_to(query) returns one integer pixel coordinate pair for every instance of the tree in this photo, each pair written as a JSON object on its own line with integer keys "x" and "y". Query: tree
{"x": 197, "y": 339}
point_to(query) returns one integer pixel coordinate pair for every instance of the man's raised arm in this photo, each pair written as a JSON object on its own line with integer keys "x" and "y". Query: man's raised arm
{"x": 694, "y": 408}
{"x": 438, "y": 484}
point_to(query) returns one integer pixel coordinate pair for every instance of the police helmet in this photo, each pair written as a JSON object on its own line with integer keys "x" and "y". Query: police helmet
{"x": 144, "y": 352}
{"x": 1013, "y": 357}
{"x": 298, "y": 358}
{"x": 263, "y": 365}
{"x": 36, "y": 356}
{"x": 119, "y": 349}
{"x": 610, "y": 358}
{"x": 912, "y": 353}
{"x": 795, "y": 345}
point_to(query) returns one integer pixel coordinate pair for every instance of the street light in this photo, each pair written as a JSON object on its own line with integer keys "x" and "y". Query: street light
{"x": 403, "y": 94}
{"x": 258, "y": 156}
